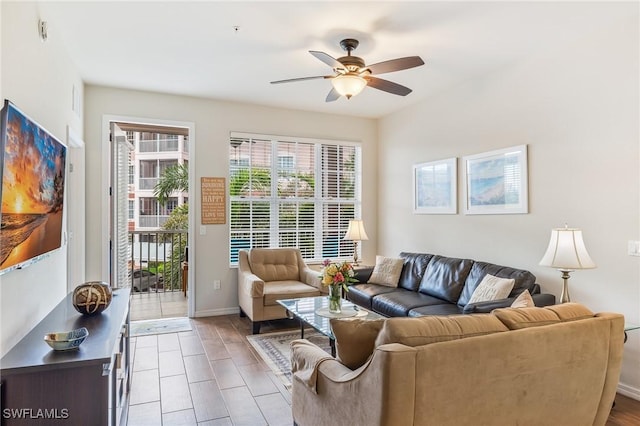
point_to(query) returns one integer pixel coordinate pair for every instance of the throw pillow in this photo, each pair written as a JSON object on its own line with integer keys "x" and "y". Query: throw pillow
{"x": 387, "y": 271}
{"x": 492, "y": 288}
{"x": 355, "y": 339}
{"x": 524, "y": 300}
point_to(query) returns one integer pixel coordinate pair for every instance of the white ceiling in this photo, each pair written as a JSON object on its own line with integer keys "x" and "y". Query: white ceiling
{"x": 192, "y": 48}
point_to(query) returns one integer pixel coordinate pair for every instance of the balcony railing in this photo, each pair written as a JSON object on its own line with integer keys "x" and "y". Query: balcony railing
{"x": 158, "y": 145}
{"x": 156, "y": 262}
{"x": 152, "y": 220}
{"x": 147, "y": 183}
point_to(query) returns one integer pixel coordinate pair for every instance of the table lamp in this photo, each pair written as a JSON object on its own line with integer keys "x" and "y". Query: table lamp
{"x": 566, "y": 253}
{"x": 356, "y": 233}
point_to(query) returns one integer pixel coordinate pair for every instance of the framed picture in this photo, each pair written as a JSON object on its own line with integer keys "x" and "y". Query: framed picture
{"x": 496, "y": 182}
{"x": 434, "y": 187}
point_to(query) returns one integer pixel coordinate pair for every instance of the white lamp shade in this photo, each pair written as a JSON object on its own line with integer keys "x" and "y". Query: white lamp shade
{"x": 566, "y": 250}
{"x": 356, "y": 231}
{"x": 348, "y": 85}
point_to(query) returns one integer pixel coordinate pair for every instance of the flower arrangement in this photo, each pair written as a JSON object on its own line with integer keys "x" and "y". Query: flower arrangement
{"x": 340, "y": 274}
{"x": 336, "y": 276}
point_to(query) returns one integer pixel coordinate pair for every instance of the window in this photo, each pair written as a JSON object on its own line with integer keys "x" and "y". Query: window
{"x": 288, "y": 192}
{"x": 132, "y": 208}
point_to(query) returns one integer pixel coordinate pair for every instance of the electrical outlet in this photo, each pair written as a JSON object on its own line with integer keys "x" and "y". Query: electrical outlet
{"x": 633, "y": 248}
{"x": 216, "y": 284}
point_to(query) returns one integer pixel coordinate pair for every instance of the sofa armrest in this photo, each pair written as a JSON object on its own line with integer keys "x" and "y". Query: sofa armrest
{"x": 251, "y": 284}
{"x": 362, "y": 273}
{"x": 544, "y": 299}
{"x": 380, "y": 392}
{"x": 486, "y": 307}
{"x": 310, "y": 277}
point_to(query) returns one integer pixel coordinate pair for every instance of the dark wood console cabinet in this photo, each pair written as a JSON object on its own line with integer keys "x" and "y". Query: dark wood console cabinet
{"x": 87, "y": 386}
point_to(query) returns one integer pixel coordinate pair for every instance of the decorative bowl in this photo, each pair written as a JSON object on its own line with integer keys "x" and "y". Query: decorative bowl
{"x": 66, "y": 340}
{"x": 92, "y": 297}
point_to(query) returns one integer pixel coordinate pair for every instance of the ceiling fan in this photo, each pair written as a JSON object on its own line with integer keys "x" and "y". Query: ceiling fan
{"x": 352, "y": 75}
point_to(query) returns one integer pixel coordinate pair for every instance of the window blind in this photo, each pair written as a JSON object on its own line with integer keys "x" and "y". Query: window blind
{"x": 292, "y": 192}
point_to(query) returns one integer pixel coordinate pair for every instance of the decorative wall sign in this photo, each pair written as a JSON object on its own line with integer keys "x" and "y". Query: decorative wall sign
{"x": 434, "y": 187}
{"x": 496, "y": 182}
{"x": 213, "y": 201}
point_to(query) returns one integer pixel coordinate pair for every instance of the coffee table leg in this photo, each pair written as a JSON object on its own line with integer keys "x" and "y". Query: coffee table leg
{"x": 301, "y": 329}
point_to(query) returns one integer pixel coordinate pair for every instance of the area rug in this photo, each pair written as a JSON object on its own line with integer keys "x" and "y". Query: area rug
{"x": 274, "y": 349}
{"x": 159, "y": 326}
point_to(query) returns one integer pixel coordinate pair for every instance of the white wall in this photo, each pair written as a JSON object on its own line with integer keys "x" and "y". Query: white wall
{"x": 577, "y": 110}
{"x": 38, "y": 78}
{"x": 214, "y": 120}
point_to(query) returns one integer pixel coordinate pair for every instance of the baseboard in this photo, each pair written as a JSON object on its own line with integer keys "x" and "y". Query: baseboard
{"x": 217, "y": 312}
{"x": 629, "y": 391}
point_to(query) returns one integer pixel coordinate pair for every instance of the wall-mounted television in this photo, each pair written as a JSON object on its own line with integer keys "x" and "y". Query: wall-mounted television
{"x": 32, "y": 165}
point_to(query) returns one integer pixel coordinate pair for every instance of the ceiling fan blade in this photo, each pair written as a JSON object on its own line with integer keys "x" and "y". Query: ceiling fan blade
{"x": 396, "y": 65}
{"x": 327, "y": 59}
{"x": 387, "y": 86}
{"x": 333, "y": 95}
{"x": 302, "y": 79}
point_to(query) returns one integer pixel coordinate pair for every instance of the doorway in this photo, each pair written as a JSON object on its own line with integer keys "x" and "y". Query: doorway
{"x": 149, "y": 216}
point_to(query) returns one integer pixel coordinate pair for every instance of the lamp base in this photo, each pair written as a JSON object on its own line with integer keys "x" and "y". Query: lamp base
{"x": 564, "y": 297}
{"x": 355, "y": 253}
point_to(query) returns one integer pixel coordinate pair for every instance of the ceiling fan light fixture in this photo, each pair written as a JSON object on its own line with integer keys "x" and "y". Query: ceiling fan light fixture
{"x": 348, "y": 85}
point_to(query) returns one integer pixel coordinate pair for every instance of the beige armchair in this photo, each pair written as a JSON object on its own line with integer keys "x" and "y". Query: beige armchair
{"x": 266, "y": 275}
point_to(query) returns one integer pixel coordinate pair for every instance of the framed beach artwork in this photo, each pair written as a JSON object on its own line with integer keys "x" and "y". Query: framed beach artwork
{"x": 435, "y": 187}
{"x": 33, "y": 170}
{"x": 496, "y": 182}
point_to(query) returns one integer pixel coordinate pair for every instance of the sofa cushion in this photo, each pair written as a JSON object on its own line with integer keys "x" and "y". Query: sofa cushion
{"x": 386, "y": 271}
{"x": 355, "y": 339}
{"x": 275, "y": 290}
{"x": 443, "y": 309}
{"x": 570, "y": 311}
{"x": 415, "y": 264}
{"x": 399, "y": 302}
{"x": 433, "y": 329}
{"x": 492, "y": 288}
{"x": 363, "y": 294}
{"x": 523, "y": 279}
{"x": 517, "y": 318}
{"x": 445, "y": 277}
{"x": 523, "y": 301}
{"x": 274, "y": 264}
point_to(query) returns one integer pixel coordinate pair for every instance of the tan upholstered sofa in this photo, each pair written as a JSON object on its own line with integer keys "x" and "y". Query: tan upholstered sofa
{"x": 266, "y": 275}
{"x": 557, "y": 365}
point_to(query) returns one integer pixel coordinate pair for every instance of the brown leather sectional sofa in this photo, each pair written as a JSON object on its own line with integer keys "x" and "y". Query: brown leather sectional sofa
{"x": 436, "y": 285}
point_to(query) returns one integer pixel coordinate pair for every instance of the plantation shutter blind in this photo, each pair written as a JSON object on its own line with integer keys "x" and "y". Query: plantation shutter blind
{"x": 292, "y": 192}
{"x": 120, "y": 207}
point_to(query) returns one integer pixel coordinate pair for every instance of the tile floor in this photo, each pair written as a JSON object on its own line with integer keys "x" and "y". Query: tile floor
{"x": 153, "y": 305}
{"x": 208, "y": 376}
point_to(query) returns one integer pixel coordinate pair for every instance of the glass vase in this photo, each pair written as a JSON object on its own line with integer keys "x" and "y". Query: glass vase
{"x": 335, "y": 298}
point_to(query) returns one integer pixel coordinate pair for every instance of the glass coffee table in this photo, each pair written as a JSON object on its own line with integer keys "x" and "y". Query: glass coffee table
{"x": 306, "y": 311}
